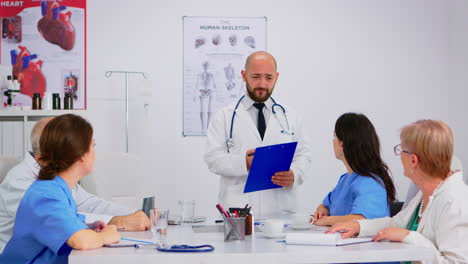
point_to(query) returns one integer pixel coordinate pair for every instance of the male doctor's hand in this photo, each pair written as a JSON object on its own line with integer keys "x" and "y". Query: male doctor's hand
{"x": 137, "y": 221}
{"x": 249, "y": 155}
{"x": 283, "y": 178}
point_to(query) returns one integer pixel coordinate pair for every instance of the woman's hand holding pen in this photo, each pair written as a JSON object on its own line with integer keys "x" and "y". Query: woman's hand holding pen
{"x": 110, "y": 234}
{"x": 249, "y": 155}
{"x": 97, "y": 226}
{"x": 320, "y": 212}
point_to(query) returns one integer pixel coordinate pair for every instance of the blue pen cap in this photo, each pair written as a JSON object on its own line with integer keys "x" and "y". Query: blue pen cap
{"x": 14, "y": 56}
{"x": 43, "y": 8}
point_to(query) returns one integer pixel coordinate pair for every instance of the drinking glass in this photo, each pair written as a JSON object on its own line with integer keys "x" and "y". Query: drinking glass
{"x": 187, "y": 211}
{"x": 158, "y": 220}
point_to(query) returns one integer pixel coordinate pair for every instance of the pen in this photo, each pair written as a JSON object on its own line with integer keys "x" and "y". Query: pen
{"x": 221, "y": 210}
{"x": 251, "y": 154}
{"x": 136, "y": 240}
{"x": 141, "y": 245}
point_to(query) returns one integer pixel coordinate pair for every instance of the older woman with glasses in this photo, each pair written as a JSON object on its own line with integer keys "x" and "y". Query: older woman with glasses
{"x": 437, "y": 217}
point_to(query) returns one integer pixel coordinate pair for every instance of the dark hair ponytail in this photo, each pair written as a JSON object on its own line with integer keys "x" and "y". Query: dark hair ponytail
{"x": 361, "y": 148}
{"x": 64, "y": 140}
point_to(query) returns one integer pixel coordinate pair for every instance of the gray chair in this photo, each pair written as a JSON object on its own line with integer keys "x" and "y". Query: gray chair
{"x": 395, "y": 207}
{"x": 6, "y": 163}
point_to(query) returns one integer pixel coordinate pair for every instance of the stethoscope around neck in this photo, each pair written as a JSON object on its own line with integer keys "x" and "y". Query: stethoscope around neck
{"x": 284, "y": 129}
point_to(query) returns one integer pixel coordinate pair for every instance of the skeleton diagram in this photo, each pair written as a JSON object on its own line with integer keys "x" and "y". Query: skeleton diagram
{"x": 229, "y": 72}
{"x": 206, "y": 85}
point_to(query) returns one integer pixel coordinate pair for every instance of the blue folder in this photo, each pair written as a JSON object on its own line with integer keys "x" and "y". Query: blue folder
{"x": 267, "y": 161}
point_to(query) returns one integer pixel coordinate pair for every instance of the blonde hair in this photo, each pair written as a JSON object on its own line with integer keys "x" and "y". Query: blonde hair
{"x": 432, "y": 142}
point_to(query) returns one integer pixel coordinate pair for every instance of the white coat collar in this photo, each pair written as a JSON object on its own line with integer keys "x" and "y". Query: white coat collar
{"x": 242, "y": 112}
{"x": 247, "y": 102}
{"x": 32, "y": 163}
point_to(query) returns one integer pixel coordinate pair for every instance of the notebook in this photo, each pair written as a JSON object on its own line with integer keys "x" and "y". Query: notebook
{"x": 322, "y": 239}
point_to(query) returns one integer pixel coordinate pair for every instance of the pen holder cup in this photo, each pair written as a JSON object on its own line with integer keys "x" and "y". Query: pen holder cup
{"x": 234, "y": 228}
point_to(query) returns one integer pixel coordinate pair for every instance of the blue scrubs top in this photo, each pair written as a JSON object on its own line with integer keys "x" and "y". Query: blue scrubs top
{"x": 45, "y": 220}
{"x": 356, "y": 194}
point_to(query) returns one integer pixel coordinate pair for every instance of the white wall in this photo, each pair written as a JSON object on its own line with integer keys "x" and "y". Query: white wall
{"x": 458, "y": 76}
{"x": 390, "y": 60}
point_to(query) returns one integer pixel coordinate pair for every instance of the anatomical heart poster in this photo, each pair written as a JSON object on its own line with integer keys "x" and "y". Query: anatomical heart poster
{"x": 44, "y": 42}
{"x": 215, "y": 49}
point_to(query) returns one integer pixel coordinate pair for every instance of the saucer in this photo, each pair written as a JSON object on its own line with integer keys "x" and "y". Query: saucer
{"x": 300, "y": 227}
{"x": 176, "y": 221}
{"x": 274, "y": 236}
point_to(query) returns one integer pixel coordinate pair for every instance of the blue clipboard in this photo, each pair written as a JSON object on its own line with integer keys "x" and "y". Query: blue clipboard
{"x": 267, "y": 161}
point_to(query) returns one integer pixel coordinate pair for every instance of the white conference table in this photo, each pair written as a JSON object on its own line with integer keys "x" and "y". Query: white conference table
{"x": 254, "y": 249}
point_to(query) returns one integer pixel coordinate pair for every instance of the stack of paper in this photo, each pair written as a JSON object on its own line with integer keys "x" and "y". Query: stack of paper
{"x": 321, "y": 239}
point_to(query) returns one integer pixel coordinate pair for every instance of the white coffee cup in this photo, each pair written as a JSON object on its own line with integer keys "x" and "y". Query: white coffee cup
{"x": 273, "y": 226}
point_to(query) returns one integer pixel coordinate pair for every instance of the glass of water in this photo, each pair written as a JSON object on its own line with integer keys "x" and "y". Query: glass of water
{"x": 158, "y": 220}
{"x": 187, "y": 211}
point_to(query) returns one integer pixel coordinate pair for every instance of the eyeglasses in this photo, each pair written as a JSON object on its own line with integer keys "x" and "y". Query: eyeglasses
{"x": 398, "y": 150}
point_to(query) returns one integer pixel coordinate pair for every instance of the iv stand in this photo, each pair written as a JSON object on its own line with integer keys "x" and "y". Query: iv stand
{"x": 108, "y": 75}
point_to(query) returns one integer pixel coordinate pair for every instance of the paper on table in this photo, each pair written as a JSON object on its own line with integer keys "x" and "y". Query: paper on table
{"x": 321, "y": 239}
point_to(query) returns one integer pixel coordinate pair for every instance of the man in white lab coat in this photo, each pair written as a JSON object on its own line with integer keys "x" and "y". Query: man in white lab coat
{"x": 256, "y": 125}
{"x": 20, "y": 177}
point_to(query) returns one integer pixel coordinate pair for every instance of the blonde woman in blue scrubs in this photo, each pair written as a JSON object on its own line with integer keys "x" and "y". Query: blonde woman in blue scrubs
{"x": 366, "y": 189}
{"x": 47, "y": 225}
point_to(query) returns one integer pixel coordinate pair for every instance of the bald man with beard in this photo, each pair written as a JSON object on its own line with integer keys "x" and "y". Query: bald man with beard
{"x": 255, "y": 125}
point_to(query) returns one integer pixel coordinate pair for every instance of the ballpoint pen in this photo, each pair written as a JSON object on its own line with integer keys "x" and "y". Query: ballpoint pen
{"x": 136, "y": 240}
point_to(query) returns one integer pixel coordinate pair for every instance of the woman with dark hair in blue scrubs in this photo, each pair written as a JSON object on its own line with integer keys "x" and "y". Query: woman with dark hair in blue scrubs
{"x": 47, "y": 225}
{"x": 366, "y": 190}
